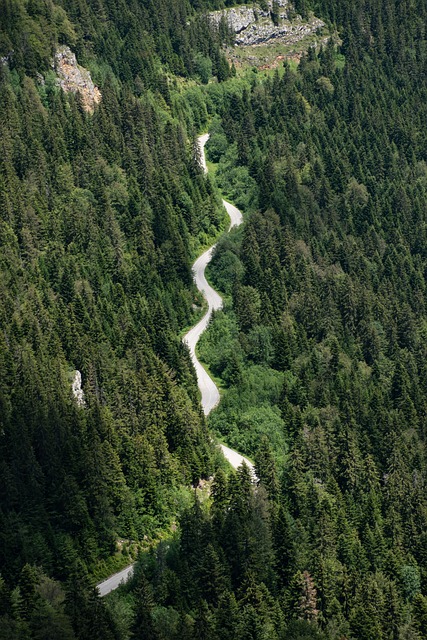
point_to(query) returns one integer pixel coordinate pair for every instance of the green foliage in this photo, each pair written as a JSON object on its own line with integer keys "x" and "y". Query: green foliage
{"x": 225, "y": 267}
{"x": 410, "y": 577}
{"x": 203, "y": 67}
{"x": 39, "y": 608}
{"x": 300, "y": 630}
{"x": 99, "y": 217}
{"x": 216, "y": 147}
{"x": 135, "y": 40}
{"x": 326, "y": 299}
{"x": 320, "y": 345}
{"x": 235, "y": 181}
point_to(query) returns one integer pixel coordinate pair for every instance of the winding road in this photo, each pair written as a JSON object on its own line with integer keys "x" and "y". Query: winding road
{"x": 208, "y": 388}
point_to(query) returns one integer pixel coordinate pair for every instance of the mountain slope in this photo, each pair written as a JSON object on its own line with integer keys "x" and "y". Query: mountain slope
{"x": 99, "y": 216}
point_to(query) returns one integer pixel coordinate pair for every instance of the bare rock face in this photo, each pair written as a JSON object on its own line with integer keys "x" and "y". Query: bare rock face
{"x": 238, "y": 18}
{"x": 254, "y": 25}
{"x": 72, "y": 77}
{"x": 6, "y": 59}
{"x": 290, "y": 33}
{"x": 241, "y": 17}
{"x": 77, "y": 390}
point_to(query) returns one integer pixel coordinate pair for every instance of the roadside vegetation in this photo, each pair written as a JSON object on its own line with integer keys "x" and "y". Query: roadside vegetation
{"x": 320, "y": 346}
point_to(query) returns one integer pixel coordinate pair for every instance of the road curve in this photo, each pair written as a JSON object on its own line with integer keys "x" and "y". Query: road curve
{"x": 208, "y": 388}
{"x": 236, "y": 217}
{"x": 236, "y": 459}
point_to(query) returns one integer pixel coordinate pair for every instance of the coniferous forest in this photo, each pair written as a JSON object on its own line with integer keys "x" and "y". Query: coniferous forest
{"x": 320, "y": 346}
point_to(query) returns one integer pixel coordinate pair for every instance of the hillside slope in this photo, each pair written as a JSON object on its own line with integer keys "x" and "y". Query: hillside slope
{"x": 101, "y": 208}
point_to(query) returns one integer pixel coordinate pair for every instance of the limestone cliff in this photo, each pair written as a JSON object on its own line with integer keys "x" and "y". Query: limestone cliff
{"x": 254, "y": 25}
{"x": 72, "y": 77}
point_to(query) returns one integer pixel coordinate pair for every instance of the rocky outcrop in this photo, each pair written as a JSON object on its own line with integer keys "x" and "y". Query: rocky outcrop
{"x": 290, "y": 33}
{"x": 76, "y": 388}
{"x": 254, "y": 25}
{"x": 241, "y": 17}
{"x": 72, "y": 77}
{"x": 6, "y": 59}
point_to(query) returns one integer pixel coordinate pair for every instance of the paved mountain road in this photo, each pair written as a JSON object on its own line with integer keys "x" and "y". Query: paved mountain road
{"x": 236, "y": 459}
{"x": 236, "y": 217}
{"x": 208, "y": 388}
{"x": 115, "y": 581}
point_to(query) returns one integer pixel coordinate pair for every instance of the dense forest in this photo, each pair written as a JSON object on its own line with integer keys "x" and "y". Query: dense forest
{"x": 100, "y": 217}
{"x": 320, "y": 346}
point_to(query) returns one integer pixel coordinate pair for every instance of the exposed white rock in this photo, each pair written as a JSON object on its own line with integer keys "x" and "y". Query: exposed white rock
{"x": 6, "y": 59}
{"x": 241, "y": 17}
{"x": 72, "y": 77}
{"x": 291, "y": 32}
{"x": 238, "y": 18}
{"x": 77, "y": 390}
{"x": 254, "y": 25}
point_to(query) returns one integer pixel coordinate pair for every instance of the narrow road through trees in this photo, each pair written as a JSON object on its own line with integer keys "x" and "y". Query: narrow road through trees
{"x": 114, "y": 581}
{"x": 208, "y": 388}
